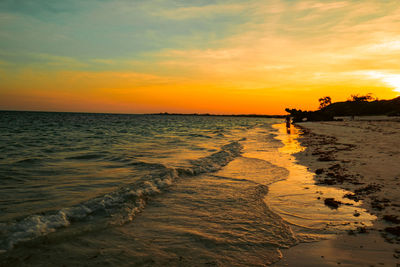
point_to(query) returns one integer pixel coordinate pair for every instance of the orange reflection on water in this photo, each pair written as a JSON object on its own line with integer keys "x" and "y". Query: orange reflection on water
{"x": 300, "y": 202}
{"x": 291, "y": 145}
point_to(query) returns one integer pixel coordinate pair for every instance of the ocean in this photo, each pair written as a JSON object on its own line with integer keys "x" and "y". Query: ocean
{"x": 156, "y": 190}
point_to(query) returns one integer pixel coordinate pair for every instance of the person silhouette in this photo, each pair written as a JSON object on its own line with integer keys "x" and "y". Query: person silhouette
{"x": 288, "y": 124}
{"x": 287, "y": 121}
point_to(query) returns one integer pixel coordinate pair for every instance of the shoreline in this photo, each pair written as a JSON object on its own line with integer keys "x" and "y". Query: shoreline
{"x": 358, "y": 156}
{"x": 297, "y": 200}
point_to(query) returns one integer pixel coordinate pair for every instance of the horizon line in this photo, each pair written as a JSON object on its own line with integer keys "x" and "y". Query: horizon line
{"x": 154, "y": 113}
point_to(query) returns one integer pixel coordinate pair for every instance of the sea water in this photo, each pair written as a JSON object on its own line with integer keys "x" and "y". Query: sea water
{"x": 110, "y": 189}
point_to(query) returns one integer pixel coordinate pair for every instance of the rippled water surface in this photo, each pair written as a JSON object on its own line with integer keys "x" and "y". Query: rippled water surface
{"x": 102, "y": 189}
{"x": 54, "y": 160}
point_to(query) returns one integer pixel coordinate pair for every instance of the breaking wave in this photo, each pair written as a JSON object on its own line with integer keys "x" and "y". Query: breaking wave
{"x": 119, "y": 206}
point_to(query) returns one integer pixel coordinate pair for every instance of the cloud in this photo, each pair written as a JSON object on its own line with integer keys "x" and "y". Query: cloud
{"x": 41, "y": 60}
{"x": 321, "y": 6}
{"x": 393, "y": 80}
{"x": 183, "y": 13}
{"x": 39, "y": 7}
{"x": 211, "y": 47}
{"x": 386, "y": 46}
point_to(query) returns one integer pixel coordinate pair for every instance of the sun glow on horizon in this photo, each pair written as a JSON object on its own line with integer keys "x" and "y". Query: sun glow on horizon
{"x": 228, "y": 57}
{"x": 393, "y": 80}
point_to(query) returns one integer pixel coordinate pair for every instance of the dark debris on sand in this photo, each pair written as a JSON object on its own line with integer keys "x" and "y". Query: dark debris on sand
{"x": 369, "y": 189}
{"x": 392, "y": 234}
{"x": 359, "y": 230}
{"x": 332, "y": 203}
{"x": 391, "y": 219}
{"x": 330, "y": 170}
{"x": 336, "y": 174}
{"x": 363, "y": 191}
{"x": 352, "y": 196}
{"x": 379, "y": 203}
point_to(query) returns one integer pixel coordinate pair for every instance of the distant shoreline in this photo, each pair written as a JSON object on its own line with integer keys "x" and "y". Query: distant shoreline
{"x": 155, "y": 114}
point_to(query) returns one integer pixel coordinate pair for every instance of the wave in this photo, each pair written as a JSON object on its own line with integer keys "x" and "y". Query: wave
{"x": 86, "y": 156}
{"x": 29, "y": 161}
{"x": 199, "y": 135}
{"x": 120, "y": 206}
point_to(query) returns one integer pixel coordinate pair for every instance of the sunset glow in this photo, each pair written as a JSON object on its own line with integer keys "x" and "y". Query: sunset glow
{"x": 188, "y": 56}
{"x": 390, "y": 79}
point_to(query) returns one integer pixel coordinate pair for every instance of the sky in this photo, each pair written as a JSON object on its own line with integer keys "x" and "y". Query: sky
{"x": 203, "y": 56}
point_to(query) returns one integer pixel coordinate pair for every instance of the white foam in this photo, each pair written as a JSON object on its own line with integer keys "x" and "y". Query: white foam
{"x": 122, "y": 205}
{"x": 35, "y": 226}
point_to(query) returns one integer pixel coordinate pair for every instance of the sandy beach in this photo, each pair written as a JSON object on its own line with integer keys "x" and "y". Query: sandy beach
{"x": 360, "y": 156}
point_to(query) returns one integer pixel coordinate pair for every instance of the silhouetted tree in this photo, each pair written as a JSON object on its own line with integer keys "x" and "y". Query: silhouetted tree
{"x": 324, "y": 102}
{"x": 361, "y": 98}
{"x": 356, "y": 106}
{"x": 299, "y": 115}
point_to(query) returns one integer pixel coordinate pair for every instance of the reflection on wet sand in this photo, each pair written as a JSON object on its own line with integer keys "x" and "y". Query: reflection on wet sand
{"x": 305, "y": 205}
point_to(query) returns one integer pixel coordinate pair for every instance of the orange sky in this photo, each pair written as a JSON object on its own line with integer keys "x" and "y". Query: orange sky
{"x": 225, "y": 57}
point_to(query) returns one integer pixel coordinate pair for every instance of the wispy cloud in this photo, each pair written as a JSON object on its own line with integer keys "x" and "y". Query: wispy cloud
{"x": 305, "y": 48}
{"x": 207, "y": 11}
{"x": 321, "y": 6}
{"x": 393, "y": 80}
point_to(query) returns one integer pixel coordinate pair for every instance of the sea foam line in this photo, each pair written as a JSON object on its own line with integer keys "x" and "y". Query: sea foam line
{"x": 122, "y": 205}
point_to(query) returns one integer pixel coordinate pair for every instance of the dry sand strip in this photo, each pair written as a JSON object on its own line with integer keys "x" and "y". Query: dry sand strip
{"x": 363, "y": 157}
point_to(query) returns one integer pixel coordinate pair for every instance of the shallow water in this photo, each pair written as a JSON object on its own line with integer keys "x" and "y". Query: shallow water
{"x": 68, "y": 158}
{"x": 98, "y": 189}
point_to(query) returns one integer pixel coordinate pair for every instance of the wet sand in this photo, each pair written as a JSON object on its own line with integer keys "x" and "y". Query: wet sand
{"x": 363, "y": 157}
